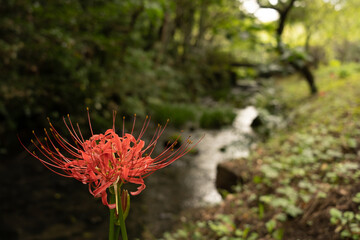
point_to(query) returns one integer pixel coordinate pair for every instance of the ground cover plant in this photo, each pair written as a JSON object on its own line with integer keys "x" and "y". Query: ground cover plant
{"x": 303, "y": 182}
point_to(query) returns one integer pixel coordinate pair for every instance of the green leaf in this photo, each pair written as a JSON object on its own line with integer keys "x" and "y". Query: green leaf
{"x": 270, "y": 225}
{"x": 335, "y": 213}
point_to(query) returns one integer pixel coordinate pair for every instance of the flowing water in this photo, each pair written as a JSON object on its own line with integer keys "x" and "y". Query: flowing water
{"x": 190, "y": 181}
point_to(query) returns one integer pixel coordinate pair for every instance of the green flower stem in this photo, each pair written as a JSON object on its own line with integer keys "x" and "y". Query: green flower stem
{"x": 112, "y": 225}
{"x": 113, "y": 229}
{"x": 121, "y": 219}
{"x": 117, "y": 221}
{"x": 117, "y": 231}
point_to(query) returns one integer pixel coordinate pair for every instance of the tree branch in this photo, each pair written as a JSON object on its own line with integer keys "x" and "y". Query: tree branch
{"x": 268, "y": 6}
{"x": 283, "y": 15}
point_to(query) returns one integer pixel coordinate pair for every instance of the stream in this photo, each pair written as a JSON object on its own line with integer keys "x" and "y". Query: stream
{"x": 190, "y": 181}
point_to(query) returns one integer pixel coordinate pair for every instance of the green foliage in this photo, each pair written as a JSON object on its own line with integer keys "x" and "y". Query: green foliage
{"x": 217, "y": 71}
{"x": 296, "y": 56}
{"x": 222, "y": 227}
{"x": 347, "y": 222}
{"x": 347, "y": 51}
{"x": 60, "y": 57}
{"x": 181, "y": 115}
{"x": 178, "y": 114}
{"x": 312, "y": 155}
{"x": 217, "y": 117}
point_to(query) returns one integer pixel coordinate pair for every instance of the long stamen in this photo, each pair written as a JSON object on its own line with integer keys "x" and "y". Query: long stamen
{"x": 88, "y": 113}
{"x": 123, "y": 128}
{"x": 114, "y": 117}
{"x": 132, "y": 130}
{"x": 145, "y": 126}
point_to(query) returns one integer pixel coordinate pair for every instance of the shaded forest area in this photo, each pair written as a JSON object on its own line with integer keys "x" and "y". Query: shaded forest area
{"x": 60, "y": 57}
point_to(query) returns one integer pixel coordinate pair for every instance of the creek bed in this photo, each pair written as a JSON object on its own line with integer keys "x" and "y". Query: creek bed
{"x": 190, "y": 181}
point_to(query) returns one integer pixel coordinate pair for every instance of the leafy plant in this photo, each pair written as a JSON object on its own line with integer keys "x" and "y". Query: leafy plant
{"x": 347, "y": 222}
{"x": 217, "y": 118}
{"x": 178, "y": 114}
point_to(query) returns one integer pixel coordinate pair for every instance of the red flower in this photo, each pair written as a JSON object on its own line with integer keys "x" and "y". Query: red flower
{"x": 105, "y": 159}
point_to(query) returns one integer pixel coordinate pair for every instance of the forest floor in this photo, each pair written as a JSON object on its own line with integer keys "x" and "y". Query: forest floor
{"x": 303, "y": 181}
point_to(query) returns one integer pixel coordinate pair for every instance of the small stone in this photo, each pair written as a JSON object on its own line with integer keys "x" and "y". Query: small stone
{"x": 231, "y": 173}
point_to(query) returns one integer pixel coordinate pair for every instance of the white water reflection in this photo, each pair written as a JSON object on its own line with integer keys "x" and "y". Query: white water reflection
{"x": 201, "y": 177}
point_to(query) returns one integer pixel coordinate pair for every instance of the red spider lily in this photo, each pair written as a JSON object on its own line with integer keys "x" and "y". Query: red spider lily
{"x": 106, "y": 159}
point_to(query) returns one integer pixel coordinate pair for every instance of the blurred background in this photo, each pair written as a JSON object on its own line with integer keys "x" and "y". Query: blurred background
{"x": 196, "y": 62}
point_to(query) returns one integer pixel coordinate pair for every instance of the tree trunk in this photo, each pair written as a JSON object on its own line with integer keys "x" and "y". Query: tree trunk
{"x": 309, "y": 77}
{"x": 134, "y": 17}
{"x": 306, "y": 72}
{"x": 164, "y": 37}
{"x": 282, "y": 20}
{"x": 303, "y": 70}
{"x": 202, "y": 28}
{"x": 187, "y": 27}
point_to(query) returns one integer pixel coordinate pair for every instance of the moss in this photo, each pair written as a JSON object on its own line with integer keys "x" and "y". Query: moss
{"x": 178, "y": 114}
{"x": 217, "y": 118}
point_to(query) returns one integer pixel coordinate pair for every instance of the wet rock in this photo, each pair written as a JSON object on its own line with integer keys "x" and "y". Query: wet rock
{"x": 265, "y": 122}
{"x": 257, "y": 122}
{"x": 231, "y": 173}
